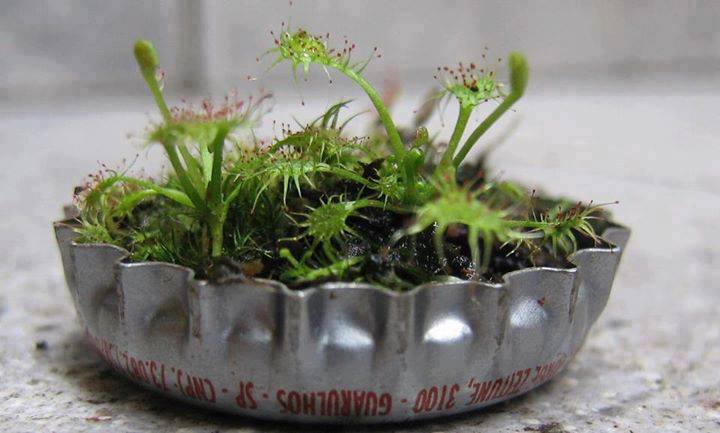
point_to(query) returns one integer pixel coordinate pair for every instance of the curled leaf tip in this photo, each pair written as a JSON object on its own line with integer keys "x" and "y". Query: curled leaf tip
{"x": 519, "y": 70}
{"x": 146, "y": 55}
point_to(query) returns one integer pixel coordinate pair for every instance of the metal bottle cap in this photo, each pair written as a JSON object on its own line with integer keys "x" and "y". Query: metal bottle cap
{"x": 340, "y": 352}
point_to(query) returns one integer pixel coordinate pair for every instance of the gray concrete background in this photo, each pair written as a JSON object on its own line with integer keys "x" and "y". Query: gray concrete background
{"x": 73, "y": 47}
{"x": 623, "y": 105}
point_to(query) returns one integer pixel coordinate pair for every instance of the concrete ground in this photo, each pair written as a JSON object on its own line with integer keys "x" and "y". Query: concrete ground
{"x": 649, "y": 365}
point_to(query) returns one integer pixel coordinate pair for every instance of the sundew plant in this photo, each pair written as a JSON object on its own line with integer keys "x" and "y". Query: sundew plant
{"x": 313, "y": 204}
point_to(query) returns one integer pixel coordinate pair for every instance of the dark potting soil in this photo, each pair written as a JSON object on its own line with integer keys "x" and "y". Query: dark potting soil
{"x": 410, "y": 261}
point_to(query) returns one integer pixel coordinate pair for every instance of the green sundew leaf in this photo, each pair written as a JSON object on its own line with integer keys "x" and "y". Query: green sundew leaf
{"x": 320, "y": 144}
{"x": 94, "y": 233}
{"x": 560, "y": 224}
{"x": 389, "y": 185}
{"x": 131, "y": 200}
{"x": 471, "y": 87}
{"x": 519, "y": 73}
{"x": 246, "y": 179}
{"x": 330, "y": 117}
{"x": 506, "y": 194}
{"x": 459, "y": 205}
{"x": 146, "y": 56}
{"x": 286, "y": 170}
{"x": 201, "y": 131}
{"x": 513, "y": 191}
{"x": 173, "y": 194}
{"x": 303, "y": 49}
{"x": 329, "y": 220}
{"x": 301, "y": 272}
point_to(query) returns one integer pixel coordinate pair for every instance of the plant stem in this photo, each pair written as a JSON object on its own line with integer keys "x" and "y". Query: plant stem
{"x": 487, "y": 247}
{"x": 483, "y": 127}
{"x": 172, "y": 194}
{"x": 518, "y": 67}
{"x": 527, "y": 224}
{"x": 383, "y": 113}
{"x": 157, "y": 95}
{"x": 216, "y": 235}
{"x": 460, "y": 124}
{"x": 474, "y": 244}
{"x": 401, "y": 154}
{"x": 147, "y": 59}
{"x": 214, "y": 191}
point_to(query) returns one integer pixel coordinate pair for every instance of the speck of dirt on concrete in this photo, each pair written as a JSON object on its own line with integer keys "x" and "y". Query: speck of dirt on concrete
{"x": 551, "y": 427}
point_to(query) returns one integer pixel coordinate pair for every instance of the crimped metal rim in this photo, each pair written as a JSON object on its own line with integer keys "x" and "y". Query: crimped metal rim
{"x": 477, "y": 341}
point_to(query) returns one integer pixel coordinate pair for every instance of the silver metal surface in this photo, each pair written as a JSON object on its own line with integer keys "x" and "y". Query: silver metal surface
{"x": 341, "y": 352}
